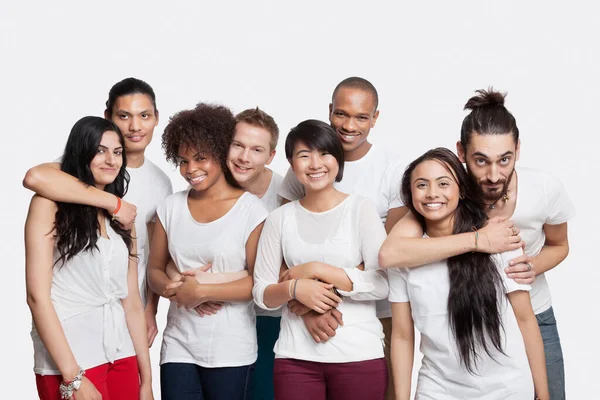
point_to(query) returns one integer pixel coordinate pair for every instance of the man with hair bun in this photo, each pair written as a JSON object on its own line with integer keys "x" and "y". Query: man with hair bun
{"x": 518, "y": 200}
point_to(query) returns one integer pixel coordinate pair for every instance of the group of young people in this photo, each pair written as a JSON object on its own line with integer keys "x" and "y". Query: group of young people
{"x": 304, "y": 286}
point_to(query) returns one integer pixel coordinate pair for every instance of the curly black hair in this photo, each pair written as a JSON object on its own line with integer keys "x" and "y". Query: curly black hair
{"x": 208, "y": 128}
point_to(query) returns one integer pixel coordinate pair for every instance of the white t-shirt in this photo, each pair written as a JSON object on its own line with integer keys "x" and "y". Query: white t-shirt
{"x": 227, "y": 338}
{"x": 272, "y": 200}
{"x": 345, "y": 236}
{"x": 86, "y": 294}
{"x": 376, "y": 176}
{"x": 148, "y": 187}
{"x": 441, "y": 376}
{"x": 541, "y": 199}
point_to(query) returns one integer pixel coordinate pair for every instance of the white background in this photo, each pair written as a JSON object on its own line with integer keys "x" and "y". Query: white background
{"x": 425, "y": 58}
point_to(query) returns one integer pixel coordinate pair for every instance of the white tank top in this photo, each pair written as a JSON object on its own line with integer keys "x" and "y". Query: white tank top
{"x": 86, "y": 293}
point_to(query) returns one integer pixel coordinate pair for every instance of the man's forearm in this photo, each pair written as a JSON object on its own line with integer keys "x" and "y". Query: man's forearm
{"x": 413, "y": 252}
{"x": 550, "y": 257}
{"x": 236, "y": 291}
{"x": 49, "y": 181}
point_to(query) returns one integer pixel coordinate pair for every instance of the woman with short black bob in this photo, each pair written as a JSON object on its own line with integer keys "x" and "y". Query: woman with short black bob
{"x": 213, "y": 222}
{"x": 474, "y": 345}
{"x": 322, "y": 238}
{"x": 88, "y": 318}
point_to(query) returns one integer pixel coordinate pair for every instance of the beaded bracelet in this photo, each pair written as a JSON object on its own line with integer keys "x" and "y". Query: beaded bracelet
{"x": 476, "y": 238}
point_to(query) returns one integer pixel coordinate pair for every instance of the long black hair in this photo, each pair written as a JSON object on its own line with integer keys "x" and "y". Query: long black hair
{"x": 77, "y": 225}
{"x": 475, "y": 283}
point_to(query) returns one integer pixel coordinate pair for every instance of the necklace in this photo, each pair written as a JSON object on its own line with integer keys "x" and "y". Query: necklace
{"x": 504, "y": 197}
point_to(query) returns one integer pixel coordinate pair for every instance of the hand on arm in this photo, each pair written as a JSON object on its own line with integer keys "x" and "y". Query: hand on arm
{"x": 321, "y": 271}
{"x": 39, "y": 247}
{"x": 521, "y": 305}
{"x": 322, "y": 327}
{"x": 405, "y": 246}
{"x": 49, "y": 181}
{"x": 190, "y": 294}
{"x": 402, "y": 351}
{"x": 136, "y": 324}
{"x": 555, "y": 250}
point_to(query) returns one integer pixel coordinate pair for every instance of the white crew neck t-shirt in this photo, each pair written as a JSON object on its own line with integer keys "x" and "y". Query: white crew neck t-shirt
{"x": 441, "y": 376}
{"x": 149, "y": 186}
{"x": 272, "y": 200}
{"x": 541, "y": 199}
{"x": 86, "y": 294}
{"x": 376, "y": 176}
{"x": 227, "y": 338}
{"x": 345, "y": 236}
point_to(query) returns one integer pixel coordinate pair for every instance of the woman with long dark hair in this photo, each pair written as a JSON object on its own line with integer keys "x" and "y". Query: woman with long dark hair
{"x": 322, "y": 238}
{"x": 89, "y": 331}
{"x": 475, "y": 346}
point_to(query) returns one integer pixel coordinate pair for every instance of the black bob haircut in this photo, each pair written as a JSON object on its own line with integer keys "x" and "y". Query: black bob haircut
{"x": 316, "y": 135}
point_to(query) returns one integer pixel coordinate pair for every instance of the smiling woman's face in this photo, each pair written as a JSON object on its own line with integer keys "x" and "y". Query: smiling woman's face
{"x": 435, "y": 192}
{"x": 105, "y": 166}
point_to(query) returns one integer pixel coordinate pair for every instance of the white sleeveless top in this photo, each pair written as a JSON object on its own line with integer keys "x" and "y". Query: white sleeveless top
{"x": 86, "y": 293}
{"x": 227, "y": 338}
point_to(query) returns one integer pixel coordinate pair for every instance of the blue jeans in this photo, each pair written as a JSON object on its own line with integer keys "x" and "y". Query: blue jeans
{"x": 267, "y": 333}
{"x": 184, "y": 381}
{"x": 555, "y": 365}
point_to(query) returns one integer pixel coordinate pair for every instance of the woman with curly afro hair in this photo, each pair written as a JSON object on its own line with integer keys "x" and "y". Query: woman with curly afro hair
{"x": 211, "y": 232}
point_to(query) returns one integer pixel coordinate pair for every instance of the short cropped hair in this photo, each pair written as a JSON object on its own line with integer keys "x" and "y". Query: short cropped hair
{"x": 259, "y": 118}
{"x": 355, "y": 82}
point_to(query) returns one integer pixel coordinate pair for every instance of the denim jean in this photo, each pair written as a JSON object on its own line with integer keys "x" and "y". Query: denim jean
{"x": 184, "y": 381}
{"x": 555, "y": 366}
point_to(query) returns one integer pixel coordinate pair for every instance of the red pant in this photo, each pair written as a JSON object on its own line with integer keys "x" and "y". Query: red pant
{"x": 301, "y": 380}
{"x": 115, "y": 381}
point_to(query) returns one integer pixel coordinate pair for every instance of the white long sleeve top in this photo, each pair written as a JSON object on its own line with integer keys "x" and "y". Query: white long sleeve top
{"x": 344, "y": 236}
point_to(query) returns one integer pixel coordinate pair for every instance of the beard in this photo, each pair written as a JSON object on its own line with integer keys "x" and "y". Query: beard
{"x": 498, "y": 189}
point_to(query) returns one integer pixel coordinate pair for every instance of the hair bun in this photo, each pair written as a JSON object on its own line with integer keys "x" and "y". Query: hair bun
{"x": 486, "y": 98}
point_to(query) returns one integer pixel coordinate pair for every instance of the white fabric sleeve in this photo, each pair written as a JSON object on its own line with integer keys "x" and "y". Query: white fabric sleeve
{"x": 164, "y": 211}
{"x": 168, "y": 190}
{"x": 256, "y": 213}
{"x": 398, "y": 285}
{"x": 372, "y": 283}
{"x": 393, "y": 178}
{"x": 291, "y": 189}
{"x": 502, "y": 260}
{"x": 268, "y": 258}
{"x": 560, "y": 209}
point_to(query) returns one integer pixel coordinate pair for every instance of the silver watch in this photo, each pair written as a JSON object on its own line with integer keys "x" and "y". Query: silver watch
{"x": 67, "y": 388}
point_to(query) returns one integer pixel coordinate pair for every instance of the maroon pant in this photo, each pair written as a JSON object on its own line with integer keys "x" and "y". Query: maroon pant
{"x": 116, "y": 381}
{"x": 301, "y": 380}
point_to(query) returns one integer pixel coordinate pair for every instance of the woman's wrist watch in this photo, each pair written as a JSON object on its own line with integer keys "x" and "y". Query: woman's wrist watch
{"x": 67, "y": 388}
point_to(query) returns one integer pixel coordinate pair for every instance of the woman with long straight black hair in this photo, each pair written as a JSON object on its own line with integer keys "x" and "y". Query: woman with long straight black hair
{"x": 475, "y": 346}
{"x": 89, "y": 330}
